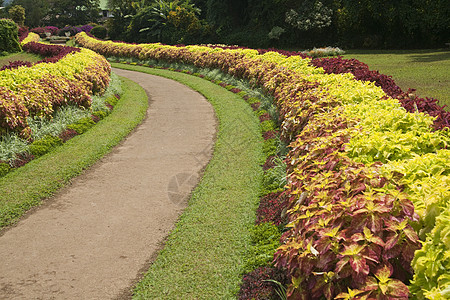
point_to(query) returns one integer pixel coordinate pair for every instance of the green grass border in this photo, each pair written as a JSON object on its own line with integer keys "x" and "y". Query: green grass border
{"x": 203, "y": 256}
{"x": 25, "y": 187}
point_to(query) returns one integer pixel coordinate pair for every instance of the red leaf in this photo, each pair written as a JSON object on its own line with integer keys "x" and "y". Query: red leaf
{"x": 357, "y": 237}
{"x": 393, "y": 252}
{"x": 359, "y": 265}
{"x": 407, "y": 207}
{"x": 408, "y": 251}
{"x": 411, "y": 234}
{"x": 341, "y": 264}
{"x": 371, "y": 284}
{"x": 392, "y": 240}
{"x": 372, "y": 255}
{"x": 377, "y": 240}
{"x": 398, "y": 289}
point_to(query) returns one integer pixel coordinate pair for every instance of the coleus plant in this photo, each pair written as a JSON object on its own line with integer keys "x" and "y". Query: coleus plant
{"x": 345, "y": 222}
{"x": 432, "y": 262}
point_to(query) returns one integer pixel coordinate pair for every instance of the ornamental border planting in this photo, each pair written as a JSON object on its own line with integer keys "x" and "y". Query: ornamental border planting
{"x": 68, "y": 76}
{"x": 352, "y": 186}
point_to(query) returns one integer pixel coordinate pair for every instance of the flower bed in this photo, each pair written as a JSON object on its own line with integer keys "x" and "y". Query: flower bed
{"x": 361, "y": 172}
{"x": 67, "y": 76}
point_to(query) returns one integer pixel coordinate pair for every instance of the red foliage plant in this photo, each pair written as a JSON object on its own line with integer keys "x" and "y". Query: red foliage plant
{"x": 16, "y": 64}
{"x": 22, "y": 159}
{"x": 258, "y": 285}
{"x": 52, "y": 53}
{"x": 271, "y": 207}
{"x": 23, "y": 33}
{"x": 67, "y": 134}
{"x": 270, "y": 134}
{"x": 348, "y": 227}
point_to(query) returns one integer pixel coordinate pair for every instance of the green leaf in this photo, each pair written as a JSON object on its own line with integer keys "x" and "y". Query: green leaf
{"x": 383, "y": 273}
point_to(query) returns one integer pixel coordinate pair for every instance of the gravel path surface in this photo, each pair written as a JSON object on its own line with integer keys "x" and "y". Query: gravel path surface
{"x": 94, "y": 238}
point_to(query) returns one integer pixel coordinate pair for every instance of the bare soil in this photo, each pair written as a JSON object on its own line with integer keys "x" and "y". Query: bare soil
{"x": 94, "y": 238}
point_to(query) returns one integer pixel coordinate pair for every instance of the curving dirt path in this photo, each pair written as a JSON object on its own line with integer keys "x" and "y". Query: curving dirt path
{"x": 95, "y": 237}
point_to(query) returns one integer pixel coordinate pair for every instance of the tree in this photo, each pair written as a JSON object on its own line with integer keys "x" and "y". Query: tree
{"x": 394, "y": 23}
{"x": 227, "y": 15}
{"x": 2, "y": 10}
{"x": 311, "y": 15}
{"x": 17, "y": 14}
{"x": 165, "y": 21}
{"x": 36, "y": 11}
{"x": 73, "y": 12}
{"x": 123, "y": 12}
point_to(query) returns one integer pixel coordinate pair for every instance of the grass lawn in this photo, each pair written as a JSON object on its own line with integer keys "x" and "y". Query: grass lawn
{"x": 203, "y": 256}
{"x": 427, "y": 71}
{"x": 23, "y": 56}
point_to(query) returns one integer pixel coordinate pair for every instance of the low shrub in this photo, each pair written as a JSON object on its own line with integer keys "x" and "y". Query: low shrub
{"x": 274, "y": 179}
{"x": 268, "y": 125}
{"x": 100, "y": 114}
{"x": 265, "y": 239}
{"x": 39, "y": 30}
{"x": 86, "y": 28}
{"x": 38, "y": 90}
{"x": 29, "y": 37}
{"x": 99, "y": 31}
{"x": 67, "y": 134}
{"x": 71, "y": 30}
{"x": 4, "y": 169}
{"x": 270, "y": 146}
{"x": 52, "y": 29}
{"x": 9, "y": 36}
{"x": 23, "y": 32}
{"x": 45, "y": 145}
{"x": 82, "y": 125}
{"x": 52, "y": 53}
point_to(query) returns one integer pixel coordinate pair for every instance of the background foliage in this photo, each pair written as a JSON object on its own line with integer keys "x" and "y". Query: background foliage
{"x": 257, "y": 23}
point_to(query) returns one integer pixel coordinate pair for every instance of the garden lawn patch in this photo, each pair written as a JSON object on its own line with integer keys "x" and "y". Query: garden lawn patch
{"x": 27, "y": 186}
{"x": 22, "y": 56}
{"x": 203, "y": 256}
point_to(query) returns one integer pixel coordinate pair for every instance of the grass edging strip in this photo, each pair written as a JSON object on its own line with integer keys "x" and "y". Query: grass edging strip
{"x": 202, "y": 258}
{"x": 27, "y": 186}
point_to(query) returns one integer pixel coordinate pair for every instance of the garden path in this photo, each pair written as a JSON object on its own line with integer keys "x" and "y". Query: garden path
{"x": 94, "y": 238}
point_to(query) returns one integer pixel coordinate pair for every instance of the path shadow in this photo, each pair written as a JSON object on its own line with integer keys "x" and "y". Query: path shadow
{"x": 420, "y": 55}
{"x": 432, "y": 56}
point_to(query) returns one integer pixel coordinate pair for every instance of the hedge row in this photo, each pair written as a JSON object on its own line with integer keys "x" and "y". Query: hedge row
{"x": 67, "y": 76}
{"x": 357, "y": 169}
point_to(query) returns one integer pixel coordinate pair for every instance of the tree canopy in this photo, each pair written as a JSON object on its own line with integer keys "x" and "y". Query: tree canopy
{"x": 73, "y": 12}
